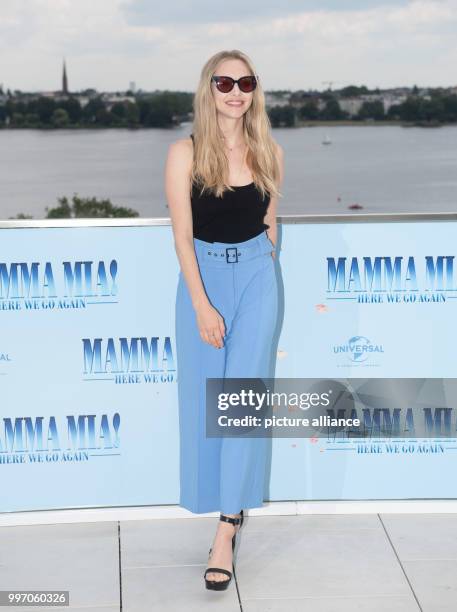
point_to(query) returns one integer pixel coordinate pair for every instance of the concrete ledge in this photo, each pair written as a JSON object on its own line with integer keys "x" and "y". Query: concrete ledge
{"x": 141, "y": 513}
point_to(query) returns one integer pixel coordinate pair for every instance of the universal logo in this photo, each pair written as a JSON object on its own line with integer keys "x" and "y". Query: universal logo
{"x": 358, "y": 349}
{"x": 4, "y": 359}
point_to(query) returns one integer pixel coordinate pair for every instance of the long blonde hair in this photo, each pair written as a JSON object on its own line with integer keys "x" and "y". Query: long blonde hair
{"x": 210, "y": 167}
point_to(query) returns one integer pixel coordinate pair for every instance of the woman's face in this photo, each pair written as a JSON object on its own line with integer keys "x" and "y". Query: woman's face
{"x": 234, "y": 103}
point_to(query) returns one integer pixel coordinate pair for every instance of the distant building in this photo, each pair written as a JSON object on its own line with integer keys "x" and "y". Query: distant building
{"x": 353, "y": 104}
{"x": 298, "y": 98}
{"x": 392, "y": 98}
{"x": 111, "y": 99}
{"x": 272, "y": 99}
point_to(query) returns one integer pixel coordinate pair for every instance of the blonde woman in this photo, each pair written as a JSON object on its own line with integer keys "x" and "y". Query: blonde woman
{"x": 222, "y": 186}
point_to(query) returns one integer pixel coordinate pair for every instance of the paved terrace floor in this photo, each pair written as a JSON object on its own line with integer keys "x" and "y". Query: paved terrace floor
{"x": 301, "y": 563}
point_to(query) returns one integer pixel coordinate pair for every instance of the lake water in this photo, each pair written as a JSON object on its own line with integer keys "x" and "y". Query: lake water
{"x": 382, "y": 168}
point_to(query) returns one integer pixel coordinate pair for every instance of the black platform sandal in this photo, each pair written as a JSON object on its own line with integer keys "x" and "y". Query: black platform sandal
{"x": 221, "y": 585}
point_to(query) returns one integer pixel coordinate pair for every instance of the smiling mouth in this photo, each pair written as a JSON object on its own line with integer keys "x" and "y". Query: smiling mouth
{"x": 235, "y": 103}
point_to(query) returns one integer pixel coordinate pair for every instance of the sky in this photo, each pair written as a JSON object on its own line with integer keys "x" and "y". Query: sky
{"x": 301, "y": 44}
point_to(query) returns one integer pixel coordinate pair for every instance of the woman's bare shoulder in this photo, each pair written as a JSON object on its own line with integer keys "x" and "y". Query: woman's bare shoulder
{"x": 180, "y": 154}
{"x": 183, "y": 146}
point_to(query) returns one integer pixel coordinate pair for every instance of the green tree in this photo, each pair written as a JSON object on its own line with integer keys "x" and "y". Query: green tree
{"x": 409, "y": 110}
{"x": 92, "y": 110}
{"x": 18, "y": 119}
{"x": 44, "y": 107}
{"x": 449, "y": 102}
{"x": 60, "y": 118}
{"x": 88, "y": 208}
{"x": 353, "y": 90}
{"x": 433, "y": 109}
{"x": 73, "y": 108}
{"x": 332, "y": 111}
{"x": 119, "y": 112}
{"x": 21, "y": 216}
{"x": 309, "y": 110}
{"x": 372, "y": 110}
{"x": 282, "y": 116}
{"x": 105, "y": 118}
{"x": 32, "y": 120}
{"x": 158, "y": 113}
{"x": 132, "y": 114}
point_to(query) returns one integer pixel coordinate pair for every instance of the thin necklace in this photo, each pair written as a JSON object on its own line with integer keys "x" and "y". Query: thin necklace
{"x": 234, "y": 146}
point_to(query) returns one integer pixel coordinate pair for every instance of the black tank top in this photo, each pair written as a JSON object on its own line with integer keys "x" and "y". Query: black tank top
{"x": 235, "y": 217}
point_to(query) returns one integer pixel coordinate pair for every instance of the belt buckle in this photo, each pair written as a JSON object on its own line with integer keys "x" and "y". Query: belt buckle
{"x": 227, "y": 254}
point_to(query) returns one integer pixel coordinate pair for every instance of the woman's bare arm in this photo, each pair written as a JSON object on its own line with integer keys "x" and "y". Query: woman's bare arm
{"x": 177, "y": 177}
{"x": 270, "y": 217}
{"x": 177, "y": 182}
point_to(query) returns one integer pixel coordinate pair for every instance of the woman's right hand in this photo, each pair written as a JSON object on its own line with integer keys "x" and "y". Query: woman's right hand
{"x": 210, "y": 325}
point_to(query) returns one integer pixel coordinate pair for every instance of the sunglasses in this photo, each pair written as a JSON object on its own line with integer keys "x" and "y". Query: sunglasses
{"x": 225, "y": 84}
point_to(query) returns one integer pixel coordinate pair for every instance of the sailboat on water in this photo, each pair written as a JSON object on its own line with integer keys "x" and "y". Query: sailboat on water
{"x": 326, "y": 140}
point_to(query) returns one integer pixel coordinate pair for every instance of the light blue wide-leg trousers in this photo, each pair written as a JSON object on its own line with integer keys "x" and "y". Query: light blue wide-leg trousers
{"x": 224, "y": 474}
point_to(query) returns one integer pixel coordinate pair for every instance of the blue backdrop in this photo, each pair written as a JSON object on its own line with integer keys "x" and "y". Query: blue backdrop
{"x": 88, "y": 368}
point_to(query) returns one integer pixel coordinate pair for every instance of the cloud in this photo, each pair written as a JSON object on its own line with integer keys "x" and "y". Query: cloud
{"x": 145, "y": 12}
{"x": 82, "y": 28}
{"x": 298, "y": 45}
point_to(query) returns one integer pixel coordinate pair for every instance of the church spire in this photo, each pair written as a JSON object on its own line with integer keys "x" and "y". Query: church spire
{"x": 64, "y": 79}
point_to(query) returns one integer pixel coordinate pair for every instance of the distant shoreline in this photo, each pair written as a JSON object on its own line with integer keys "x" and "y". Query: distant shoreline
{"x": 299, "y": 124}
{"x": 370, "y": 123}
